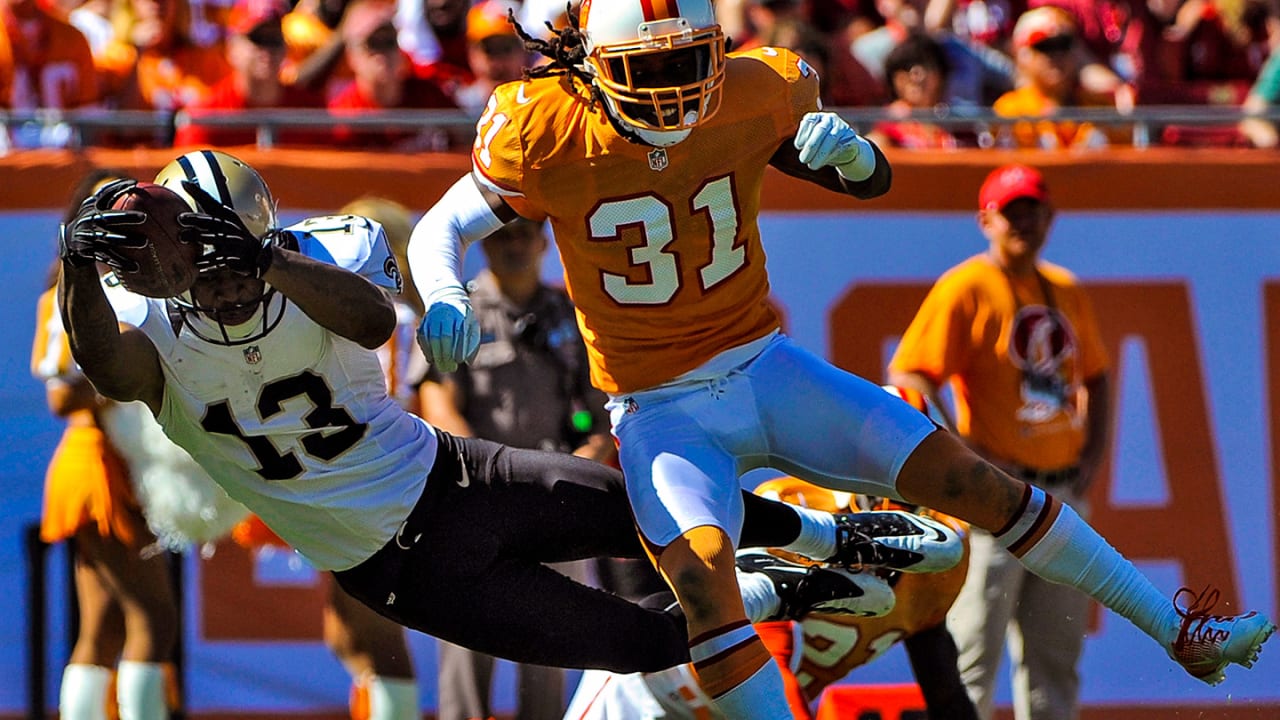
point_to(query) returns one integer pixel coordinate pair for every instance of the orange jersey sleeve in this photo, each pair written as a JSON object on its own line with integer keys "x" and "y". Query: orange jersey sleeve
{"x": 661, "y": 249}
{"x": 778, "y": 637}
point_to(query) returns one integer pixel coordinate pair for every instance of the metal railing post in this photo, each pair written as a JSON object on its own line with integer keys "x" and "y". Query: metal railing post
{"x": 37, "y": 581}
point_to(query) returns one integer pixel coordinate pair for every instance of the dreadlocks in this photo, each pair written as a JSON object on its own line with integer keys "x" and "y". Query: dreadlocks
{"x": 566, "y": 48}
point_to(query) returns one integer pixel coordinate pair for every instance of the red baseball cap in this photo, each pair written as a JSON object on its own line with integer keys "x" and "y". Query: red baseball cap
{"x": 1040, "y": 24}
{"x": 247, "y": 15}
{"x": 1010, "y": 182}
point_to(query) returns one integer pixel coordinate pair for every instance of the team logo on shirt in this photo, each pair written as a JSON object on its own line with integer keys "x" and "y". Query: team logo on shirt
{"x": 658, "y": 160}
{"x": 253, "y": 355}
{"x": 393, "y": 271}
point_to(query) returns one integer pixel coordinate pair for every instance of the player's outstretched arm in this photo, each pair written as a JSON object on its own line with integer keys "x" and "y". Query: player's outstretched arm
{"x": 449, "y": 333}
{"x": 118, "y": 359}
{"x": 826, "y": 151}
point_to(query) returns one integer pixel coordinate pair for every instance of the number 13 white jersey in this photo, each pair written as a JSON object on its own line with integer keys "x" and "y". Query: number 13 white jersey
{"x": 297, "y": 424}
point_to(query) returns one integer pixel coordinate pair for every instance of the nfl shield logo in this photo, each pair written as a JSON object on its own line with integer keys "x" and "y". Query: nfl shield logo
{"x": 253, "y": 355}
{"x": 658, "y": 160}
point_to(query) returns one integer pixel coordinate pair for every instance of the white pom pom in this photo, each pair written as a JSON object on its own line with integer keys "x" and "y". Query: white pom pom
{"x": 182, "y": 504}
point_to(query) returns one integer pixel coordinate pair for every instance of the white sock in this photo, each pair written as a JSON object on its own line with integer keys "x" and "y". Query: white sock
{"x": 1071, "y": 552}
{"x": 83, "y": 695}
{"x": 817, "y": 538}
{"x": 760, "y": 697}
{"x": 392, "y": 698}
{"x": 140, "y": 691}
{"x": 758, "y": 596}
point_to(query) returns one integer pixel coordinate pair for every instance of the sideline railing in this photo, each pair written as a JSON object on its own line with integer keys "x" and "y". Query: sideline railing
{"x": 81, "y": 128}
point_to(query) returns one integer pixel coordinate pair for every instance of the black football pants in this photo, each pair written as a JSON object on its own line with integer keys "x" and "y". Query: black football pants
{"x": 467, "y": 565}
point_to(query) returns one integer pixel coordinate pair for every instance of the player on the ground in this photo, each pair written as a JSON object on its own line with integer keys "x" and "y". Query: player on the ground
{"x": 646, "y": 146}
{"x": 266, "y": 372}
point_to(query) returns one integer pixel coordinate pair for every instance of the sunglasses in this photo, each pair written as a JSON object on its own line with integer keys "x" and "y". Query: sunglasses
{"x": 267, "y": 41}
{"x": 382, "y": 40}
{"x": 1055, "y": 45}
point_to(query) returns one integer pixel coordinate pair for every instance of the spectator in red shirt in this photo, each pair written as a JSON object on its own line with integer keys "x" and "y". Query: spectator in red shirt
{"x": 383, "y": 80}
{"x": 255, "y": 49}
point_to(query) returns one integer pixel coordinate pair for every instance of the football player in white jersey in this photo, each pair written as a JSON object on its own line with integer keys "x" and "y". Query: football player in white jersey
{"x": 266, "y": 372}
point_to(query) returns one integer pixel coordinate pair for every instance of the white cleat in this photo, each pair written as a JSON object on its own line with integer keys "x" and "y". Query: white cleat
{"x": 806, "y": 589}
{"x": 1207, "y": 644}
{"x": 896, "y": 540}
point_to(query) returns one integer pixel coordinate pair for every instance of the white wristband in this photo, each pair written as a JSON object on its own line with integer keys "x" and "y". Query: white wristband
{"x": 862, "y": 164}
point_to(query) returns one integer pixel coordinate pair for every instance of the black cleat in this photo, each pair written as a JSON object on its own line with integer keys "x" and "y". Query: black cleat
{"x": 896, "y": 540}
{"x": 806, "y": 589}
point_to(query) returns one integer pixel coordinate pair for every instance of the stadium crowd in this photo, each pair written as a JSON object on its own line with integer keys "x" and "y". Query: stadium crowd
{"x": 926, "y": 63}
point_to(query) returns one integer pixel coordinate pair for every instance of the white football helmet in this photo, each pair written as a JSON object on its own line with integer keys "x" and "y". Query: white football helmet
{"x": 235, "y": 185}
{"x": 658, "y": 63}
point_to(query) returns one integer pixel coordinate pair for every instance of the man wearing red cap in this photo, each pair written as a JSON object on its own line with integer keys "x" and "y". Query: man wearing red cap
{"x": 1017, "y": 341}
{"x": 1050, "y": 64}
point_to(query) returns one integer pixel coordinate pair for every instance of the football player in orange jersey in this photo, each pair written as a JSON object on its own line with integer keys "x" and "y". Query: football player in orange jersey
{"x": 646, "y": 147}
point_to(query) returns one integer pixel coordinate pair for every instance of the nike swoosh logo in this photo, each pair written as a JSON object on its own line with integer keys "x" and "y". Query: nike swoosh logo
{"x": 520, "y": 98}
{"x": 464, "y": 477}
{"x": 400, "y": 537}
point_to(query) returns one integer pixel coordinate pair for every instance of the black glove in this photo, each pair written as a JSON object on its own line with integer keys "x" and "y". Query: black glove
{"x": 228, "y": 244}
{"x": 97, "y": 231}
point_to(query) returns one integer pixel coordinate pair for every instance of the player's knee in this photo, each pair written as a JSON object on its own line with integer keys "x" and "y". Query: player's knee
{"x": 700, "y": 568}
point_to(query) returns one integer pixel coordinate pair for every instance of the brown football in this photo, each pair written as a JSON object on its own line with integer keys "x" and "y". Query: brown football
{"x": 166, "y": 264}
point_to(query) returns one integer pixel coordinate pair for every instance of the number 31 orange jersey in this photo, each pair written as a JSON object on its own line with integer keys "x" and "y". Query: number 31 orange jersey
{"x": 661, "y": 249}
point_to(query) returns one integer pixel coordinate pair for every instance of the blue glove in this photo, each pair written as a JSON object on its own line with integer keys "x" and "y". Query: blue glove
{"x": 449, "y": 333}
{"x": 824, "y": 138}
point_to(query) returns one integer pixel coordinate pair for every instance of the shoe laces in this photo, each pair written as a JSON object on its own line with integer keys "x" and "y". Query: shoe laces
{"x": 1196, "y": 619}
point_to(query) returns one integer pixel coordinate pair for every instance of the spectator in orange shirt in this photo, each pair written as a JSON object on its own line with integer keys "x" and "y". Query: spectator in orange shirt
{"x": 154, "y": 62}
{"x": 383, "y": 80}
{"x": 49, "y": 62}
{"x": 495, "y": 53}
{"x": 255, "y": 50}
{"x": 1045, "y": 44}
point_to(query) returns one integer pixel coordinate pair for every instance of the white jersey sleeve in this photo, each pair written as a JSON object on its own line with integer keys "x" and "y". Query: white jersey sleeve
{"x": 351, "y": 242}
{"x": 130, "y": 308}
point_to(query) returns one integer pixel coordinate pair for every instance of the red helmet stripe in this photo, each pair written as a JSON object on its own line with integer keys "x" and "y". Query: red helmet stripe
{"x": 659, "y": 9}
